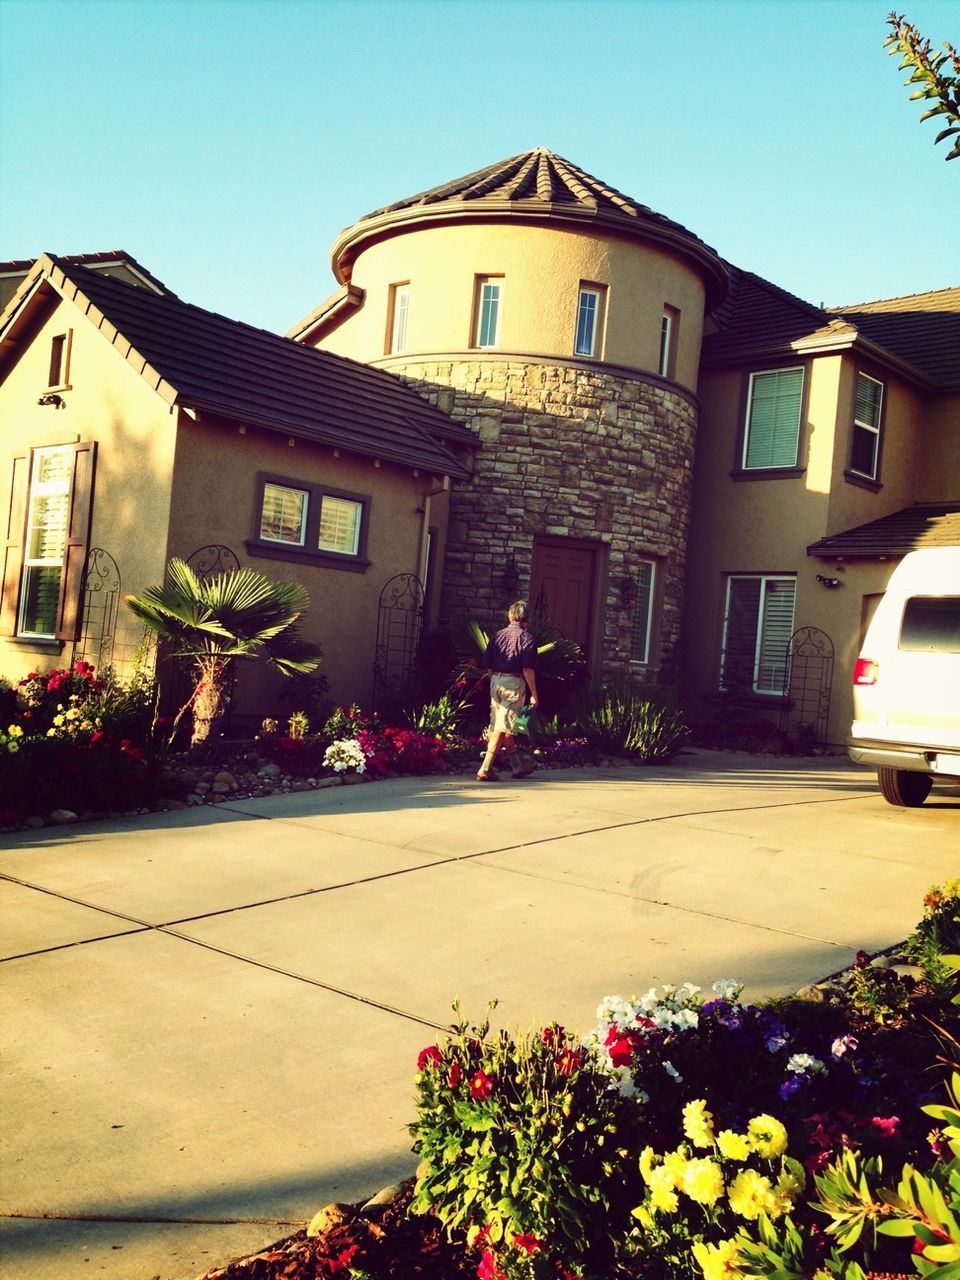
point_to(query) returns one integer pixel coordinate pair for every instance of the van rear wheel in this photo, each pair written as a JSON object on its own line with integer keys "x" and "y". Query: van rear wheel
{"x": 904, "y": 787}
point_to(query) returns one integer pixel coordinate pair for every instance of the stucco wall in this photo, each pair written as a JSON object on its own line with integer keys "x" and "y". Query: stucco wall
{"x": 542, "y": 269}
{"x": 108, "y": 402}
{"x": 215, "y": 500}
{"x": 569, "y": 452}
{"x": 938, "y": 461}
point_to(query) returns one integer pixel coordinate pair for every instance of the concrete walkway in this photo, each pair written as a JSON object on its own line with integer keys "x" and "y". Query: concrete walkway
{"x": 211, "y": 1018}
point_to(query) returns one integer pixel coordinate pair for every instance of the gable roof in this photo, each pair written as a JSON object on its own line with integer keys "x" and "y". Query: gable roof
{"x": 918, "y": 335}
{"x": 113, "y": 261}
{"x": 534, "y": 185}
{"x": 200, "y": 360}
{"x": 927, "y": 524}
{"x": 923, "y": 328}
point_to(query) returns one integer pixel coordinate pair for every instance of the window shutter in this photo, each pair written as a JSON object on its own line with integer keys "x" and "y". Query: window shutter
{"x": 77, "y": 542}
{"x": 773, "y": 430}
{"x": 13, "y": 549}
{"x": 740, "y": 634}
{"x": 775, "y": 632}
{"x": 869, "y": 393}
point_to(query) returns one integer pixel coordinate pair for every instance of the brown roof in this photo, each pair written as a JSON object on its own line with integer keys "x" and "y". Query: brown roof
{"x": 928, "y": 524}
{"x": 759, "y": 318}
{"x": 204, "y": 361}
{"x": 534, "y": 185}
{"x": 923, "y": 328}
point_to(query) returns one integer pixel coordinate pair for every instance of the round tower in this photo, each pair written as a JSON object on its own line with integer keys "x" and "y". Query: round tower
{"x": 562, "y": 322}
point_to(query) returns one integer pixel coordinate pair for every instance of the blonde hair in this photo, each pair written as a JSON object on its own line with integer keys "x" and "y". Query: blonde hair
{"x": 517, "y": 611}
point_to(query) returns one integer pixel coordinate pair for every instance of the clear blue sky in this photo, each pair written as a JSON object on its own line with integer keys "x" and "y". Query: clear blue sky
{"x": 225, "y": 143}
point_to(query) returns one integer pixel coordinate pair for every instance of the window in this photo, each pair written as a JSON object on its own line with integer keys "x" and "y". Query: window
{"x": 488, "y": 311}
{"x": 643, "y": 613}
{"x": 297, "y": 521}
{"x": 399, "y": 312}
{"x": 669, "y": 325}
{"x": 772, "y": 436}
{"x": 757, "y": 626}
{"x": 59, "y": 375}
{"x": 931, "y": 624}
{"x": 865, "y": 449}
{"x": 47, "y": 536}
{"x": 589, "y": 320}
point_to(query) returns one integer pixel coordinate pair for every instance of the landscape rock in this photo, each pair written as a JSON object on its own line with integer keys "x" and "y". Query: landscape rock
{"x": 330, "y": 1216}
{"x": 60, "y": 816}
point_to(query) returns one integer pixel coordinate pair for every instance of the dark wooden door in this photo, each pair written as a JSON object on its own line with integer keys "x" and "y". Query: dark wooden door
{"x": 562, "y": 578}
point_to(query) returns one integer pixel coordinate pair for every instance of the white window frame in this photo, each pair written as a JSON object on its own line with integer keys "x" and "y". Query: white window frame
{"x": 489, "y": 297}
{"x": 870, "y": 428}
{"x": 754, "y": 381}
{"x": 643, "y": 612}
{"x": 766, "y": 580}
{"x": 44, "y": 489}
{"x": 400, "y": 314}
{"x": 586, "y": 338}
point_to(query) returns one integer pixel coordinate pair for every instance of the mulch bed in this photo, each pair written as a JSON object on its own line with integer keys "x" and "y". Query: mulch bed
{"x": 389, "y": 1246}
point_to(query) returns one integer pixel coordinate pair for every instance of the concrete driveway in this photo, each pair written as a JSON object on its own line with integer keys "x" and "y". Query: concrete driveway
{"x": 211, "y": 1018}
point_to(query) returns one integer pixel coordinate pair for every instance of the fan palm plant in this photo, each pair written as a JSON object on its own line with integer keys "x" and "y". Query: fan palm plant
{"x": 211, "y": 621}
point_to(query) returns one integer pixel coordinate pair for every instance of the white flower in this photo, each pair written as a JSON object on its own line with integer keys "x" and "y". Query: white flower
{"x": 688, "y": 991}
{"x": 803, "y": 1063}
{"x": 686, "y": 1019}
{"x": 727, "y": 988}
{"x": 672, "y": 1071}
{"x": 345, "y": 754}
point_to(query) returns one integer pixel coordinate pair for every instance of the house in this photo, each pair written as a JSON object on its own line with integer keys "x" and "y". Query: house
{"x": 139, "y": 427}
{"x": 675, "y": 455}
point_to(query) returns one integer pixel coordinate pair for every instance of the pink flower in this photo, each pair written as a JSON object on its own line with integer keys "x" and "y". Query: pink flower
{"x": 886, "y": 1126}
{"x": 527, "y": 1243}
{"x": 429, "y": 1057}
{"x": 481, "y": 1086}
{"x": 488, "y": 1269}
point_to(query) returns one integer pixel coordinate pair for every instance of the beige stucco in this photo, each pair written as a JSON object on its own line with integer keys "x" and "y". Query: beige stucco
{"x": 106, "y": 401}
{"x": 542, "y": 268}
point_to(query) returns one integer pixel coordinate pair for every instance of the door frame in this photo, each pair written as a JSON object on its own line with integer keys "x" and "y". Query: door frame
{"x": 601, "y": 552}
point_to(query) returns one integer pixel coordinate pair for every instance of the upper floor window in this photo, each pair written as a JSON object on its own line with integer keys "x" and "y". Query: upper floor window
{"x": 298, "y": 520}
{"x": 772, "y": 435}
{"x": 59, "y": 375}
{"x": 669, "y": 327}
{"x": 757, "y": 626}
{"x": 640, "y": 639}
{"x": 399, "y": 313}
{"x": 865, "y": 447}
{"x": 489, "y": 290}
{"x": 589, "y": 320}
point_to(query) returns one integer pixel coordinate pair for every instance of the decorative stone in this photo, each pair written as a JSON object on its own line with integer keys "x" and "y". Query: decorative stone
{"x": 330, "y": 1216}
{"x": 34, "y": 822}
{"x": 269, "y": 770}
{"x": 225, "y": 779}
{"x": 377, "y": 1205}
{"x": 59, "y": 816}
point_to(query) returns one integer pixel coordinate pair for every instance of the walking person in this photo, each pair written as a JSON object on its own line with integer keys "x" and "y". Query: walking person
{"x": 510, "y": 661}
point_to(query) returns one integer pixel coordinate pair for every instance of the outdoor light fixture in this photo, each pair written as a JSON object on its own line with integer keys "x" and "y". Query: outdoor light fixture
{"x": 52, "y": 398}
{"x": 828, "y": 582}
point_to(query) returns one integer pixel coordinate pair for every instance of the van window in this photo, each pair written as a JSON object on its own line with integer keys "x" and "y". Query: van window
{"x": 931, "y": 624}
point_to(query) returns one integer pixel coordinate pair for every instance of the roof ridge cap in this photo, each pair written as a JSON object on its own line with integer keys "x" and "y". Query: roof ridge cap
{"x": 899, "y": 297}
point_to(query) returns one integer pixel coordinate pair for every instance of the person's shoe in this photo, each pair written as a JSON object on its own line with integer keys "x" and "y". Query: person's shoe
{"x": 525, "y": 772}
{"x": 488, "y": 775}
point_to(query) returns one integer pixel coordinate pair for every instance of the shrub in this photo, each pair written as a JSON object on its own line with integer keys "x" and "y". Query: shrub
{"x": 618, "y": 718}
{"x": 439, "y": 718}
{"x": 937, "y": 938}
{"x": 401, "y": 751}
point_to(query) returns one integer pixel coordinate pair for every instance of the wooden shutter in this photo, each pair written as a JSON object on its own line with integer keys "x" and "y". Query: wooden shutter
{"x": 69, "y": 614}
{"x": 13, "y": 548}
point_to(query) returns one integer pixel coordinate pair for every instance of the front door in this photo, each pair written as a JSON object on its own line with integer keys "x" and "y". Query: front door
{"x": 562, "y": 582}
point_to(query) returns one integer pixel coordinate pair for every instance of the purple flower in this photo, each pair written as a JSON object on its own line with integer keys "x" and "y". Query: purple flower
{"x": 791, "y": 1086}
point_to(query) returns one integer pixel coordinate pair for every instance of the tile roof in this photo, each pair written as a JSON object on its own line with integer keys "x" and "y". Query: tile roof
{"x": 108, "y": 258}
{"x": 202, "y": 360}
{"x": 928, "y": 524}
{"x": 533, "y": 185}
{"x": 758, "y": 318}
{"x": 923, "y": 328}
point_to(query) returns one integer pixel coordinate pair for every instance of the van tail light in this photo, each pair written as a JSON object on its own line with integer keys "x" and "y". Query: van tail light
{"x": 866, "y": 671}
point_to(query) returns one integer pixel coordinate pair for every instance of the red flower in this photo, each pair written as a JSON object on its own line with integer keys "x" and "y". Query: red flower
{"x": 455, "y": 1076}
{"x": 342, "y": 1261}
{"x": 481, "y": 1086}
{"x": 619, "y": 1047}
{"x": 527, "y": 1243}
{"x": 568, "y": 1061}
{"x": 429, "y": 1057}
{"x": 488, "y": 1269}
{"x": 886, "y": 1126}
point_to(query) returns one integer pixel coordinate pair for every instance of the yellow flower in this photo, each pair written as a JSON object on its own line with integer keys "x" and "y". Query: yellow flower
{"x": 15, "y": 731}
{"x": 662, "y": 1194}
{"x": 674, "y": 1164}
{"x": 703, "y": 1181}
{"x": 751, "y": 1194}
{"x": 698, "y": 1123}
{"x": 733, "y": 1146}
{"x": 718, "y": 1261}
{"x": 767, "y": 1136}
{"x": 647, "y": 1158}
{"x": 789, "y": 1186}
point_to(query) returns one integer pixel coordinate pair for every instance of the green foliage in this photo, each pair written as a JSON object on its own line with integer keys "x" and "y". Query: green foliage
{"x": 521, "y": 1137}
{"x": 347, "y": 722}
{"x": 878, "y": 994}
{"x": 618, "y": 718}
{"x": 441, "y": 718}
{"x": 928, "y": 71}
{"x": 558, "y": 659}
{"x": 935, "y": 943}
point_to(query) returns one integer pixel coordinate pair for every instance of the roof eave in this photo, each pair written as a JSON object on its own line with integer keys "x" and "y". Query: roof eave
{"x": 329, "y": 315}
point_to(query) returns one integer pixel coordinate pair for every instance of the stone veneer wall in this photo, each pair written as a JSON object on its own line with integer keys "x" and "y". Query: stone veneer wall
{"x": 569, "y": 450}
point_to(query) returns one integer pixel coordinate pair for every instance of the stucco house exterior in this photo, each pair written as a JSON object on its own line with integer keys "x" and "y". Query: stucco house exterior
{"x": 526, "y": 383}
{"x": 138, "y": 427}
{"x": 667, "y": 443}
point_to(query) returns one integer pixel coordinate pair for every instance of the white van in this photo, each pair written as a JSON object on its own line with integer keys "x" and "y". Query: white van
{"x": 906, "y": 684}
